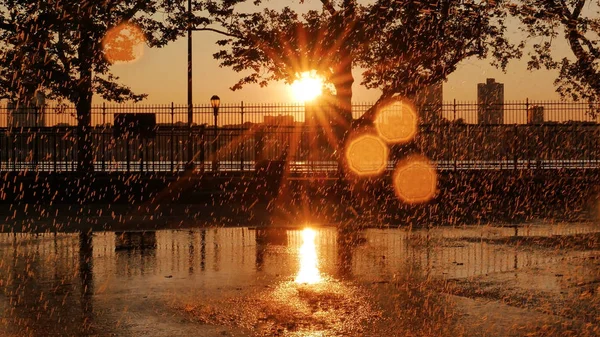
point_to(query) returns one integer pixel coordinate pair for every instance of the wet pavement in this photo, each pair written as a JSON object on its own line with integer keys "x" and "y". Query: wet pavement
{"x": 473, "y": 281}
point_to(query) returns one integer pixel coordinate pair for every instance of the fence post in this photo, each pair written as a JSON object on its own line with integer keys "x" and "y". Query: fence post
{"x": 36, "y": 138}
{"x": 215, "y": 160}
{"x": 515, "y": 144}
{"x": 202, "y": 145}
{"x": 454, "y": 133}
{"x": 54, "y": 149}
{"x": 103, "y": 136}
{"x": 259, "y": 143}
{"x": 243, "y": 146}
{"x": 172, "y": 136}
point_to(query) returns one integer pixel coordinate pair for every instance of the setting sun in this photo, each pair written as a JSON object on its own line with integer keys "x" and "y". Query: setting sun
{"x": 307, "y": 87}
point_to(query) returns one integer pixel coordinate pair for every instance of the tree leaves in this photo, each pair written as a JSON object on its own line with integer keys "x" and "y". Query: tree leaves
{"x": 578, "y": 22}
{"x": 43, "y": 40}
{"x": 402, "y": 45}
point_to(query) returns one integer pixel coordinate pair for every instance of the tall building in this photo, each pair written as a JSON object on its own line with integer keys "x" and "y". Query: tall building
{"x": 429, "y": 102}
{"x": 27, "y": 114}
{"x": 490, "y": 101}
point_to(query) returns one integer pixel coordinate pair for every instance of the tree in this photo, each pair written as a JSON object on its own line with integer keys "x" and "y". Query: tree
{"x": 59, "y": 47}
{"x": 578, "y": 21}
{"x": 401, "y": 45}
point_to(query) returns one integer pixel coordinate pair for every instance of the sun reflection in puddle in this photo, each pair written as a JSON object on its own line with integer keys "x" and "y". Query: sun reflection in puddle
{"x": 309, "y": 261}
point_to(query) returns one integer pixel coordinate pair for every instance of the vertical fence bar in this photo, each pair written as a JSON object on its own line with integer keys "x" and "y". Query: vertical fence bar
{"x": 14, "y": 148}
{"x": 242, "y": 137}
{"x": 54, "y": 150}
{"x": 103, "y": 138}
{"x": 202, "y": 145}
{"x": 1, "y": 147}
{"x": 172, "y": 137}
{"x": 142, "y": 146}
{"x": 515, "y": 145}
{"x": 454, "y": 134}
{"x": 215, "y": 161}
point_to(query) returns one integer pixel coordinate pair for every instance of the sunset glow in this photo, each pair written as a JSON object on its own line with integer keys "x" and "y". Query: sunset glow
{"x": 307, "y": 87}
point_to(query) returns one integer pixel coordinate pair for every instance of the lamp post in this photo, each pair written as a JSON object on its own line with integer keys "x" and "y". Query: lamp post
{"x": 215, "y": 102}
{"x": 190, "y": 107}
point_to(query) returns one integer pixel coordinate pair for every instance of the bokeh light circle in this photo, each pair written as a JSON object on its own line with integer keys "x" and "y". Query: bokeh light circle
{"x": 123, "y": 43}
{"x": 367, "y": 155}
{"x": 415, "y": 180}
{"x": 397, "y": 122}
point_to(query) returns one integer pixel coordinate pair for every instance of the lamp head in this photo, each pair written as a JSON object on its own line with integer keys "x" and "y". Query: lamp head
{"x": 215, "y": 101}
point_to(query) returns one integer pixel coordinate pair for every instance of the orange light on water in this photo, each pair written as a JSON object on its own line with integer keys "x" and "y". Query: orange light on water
{"x": 123, "y": 44}
{"x": 309, "y": 261}
{"x": 415, "y": 180}
{"x": 367, "y": 155}
{"x": 397, "y": 122}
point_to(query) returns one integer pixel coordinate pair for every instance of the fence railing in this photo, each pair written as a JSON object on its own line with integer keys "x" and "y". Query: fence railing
{"x": 237, "y": 114}
{"x": 561, "y": 135}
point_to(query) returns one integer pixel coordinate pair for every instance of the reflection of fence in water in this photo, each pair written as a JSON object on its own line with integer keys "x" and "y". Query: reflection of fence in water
{"x": 225, "y": 253}
{"x": 46, "y": 255}
{"x": 444, "y": 252}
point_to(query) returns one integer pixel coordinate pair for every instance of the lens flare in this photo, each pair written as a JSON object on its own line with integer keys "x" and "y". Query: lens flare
{"x": 367, "y": 155}
{"x": 307, "y": 87}
{"x": 123, "y": 44}
{"x": 415, "y": 180}
{"x": 309, "y": 262}
{"x": 397, "y": 123}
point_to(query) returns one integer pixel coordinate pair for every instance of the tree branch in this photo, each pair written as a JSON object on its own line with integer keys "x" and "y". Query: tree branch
{"x": 134, "y": 10}
{"x": 328, "y": 6}
{"x": 219, "y": 32}
{"x": 7, "y": 26}
{"x": 577, "y": 10}
{"x": 61, "y": 53}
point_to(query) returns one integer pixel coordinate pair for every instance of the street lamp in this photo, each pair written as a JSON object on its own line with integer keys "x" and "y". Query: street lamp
{"x": 215, "y": 102}
{"x": 190, "y": 107}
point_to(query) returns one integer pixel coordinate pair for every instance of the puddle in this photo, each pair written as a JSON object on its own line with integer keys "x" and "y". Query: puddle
{"x": 131, "y": 283}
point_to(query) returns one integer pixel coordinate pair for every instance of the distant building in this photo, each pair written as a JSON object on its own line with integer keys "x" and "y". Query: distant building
{"x": 535, "y": 115}
{"x": 490, "y": 100}
{"x": 429, "y": 102}
{"x": 27, "y": 114}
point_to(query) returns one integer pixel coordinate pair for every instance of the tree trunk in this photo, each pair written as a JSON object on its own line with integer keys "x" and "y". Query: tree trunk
{"x": 85, "y": 150}
{"x": 85, "y": 155}
{"x": 342, "y": 121}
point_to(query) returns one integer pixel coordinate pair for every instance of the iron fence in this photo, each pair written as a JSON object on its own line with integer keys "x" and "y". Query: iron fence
{"x": 526, "y": 135}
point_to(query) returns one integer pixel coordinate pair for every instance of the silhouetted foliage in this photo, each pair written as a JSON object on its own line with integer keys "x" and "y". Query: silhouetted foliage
{"x": 578, "y": 21}
{"x": 401, "y": 46}
{"x": 56, "y": 47}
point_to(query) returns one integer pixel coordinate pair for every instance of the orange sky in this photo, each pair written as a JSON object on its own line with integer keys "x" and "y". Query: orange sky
{"x": 161, "y": 73}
